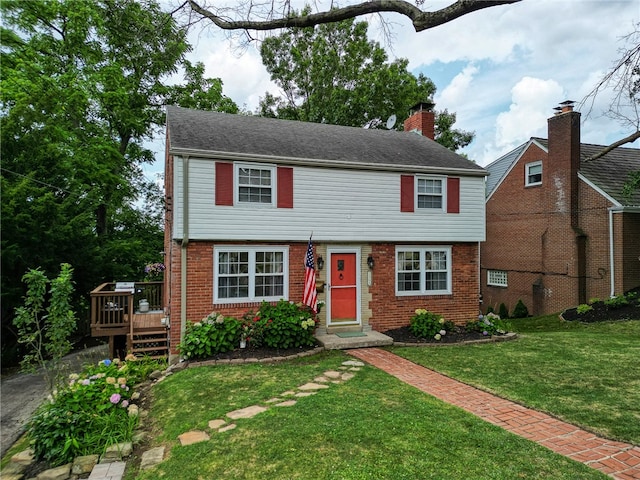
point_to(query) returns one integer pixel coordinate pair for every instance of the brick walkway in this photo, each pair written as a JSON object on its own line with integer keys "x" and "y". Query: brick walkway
{"x": 616, "y": 459}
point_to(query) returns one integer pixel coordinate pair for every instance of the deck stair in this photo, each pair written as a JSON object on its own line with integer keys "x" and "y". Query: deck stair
{"x": 150, "y": 342}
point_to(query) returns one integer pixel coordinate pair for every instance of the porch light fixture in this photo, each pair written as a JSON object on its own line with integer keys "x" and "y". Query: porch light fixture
{"x": 370, "y": 262}
{"x": 320, "y": 262}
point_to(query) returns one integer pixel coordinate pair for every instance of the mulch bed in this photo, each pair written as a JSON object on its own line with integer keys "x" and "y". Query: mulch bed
{"x": 601, "y": 312}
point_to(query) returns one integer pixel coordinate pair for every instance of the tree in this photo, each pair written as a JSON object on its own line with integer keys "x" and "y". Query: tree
{"x": 82, "y": 87}
{"x": 255, "y": 13}
{"x": 333, "y": 73}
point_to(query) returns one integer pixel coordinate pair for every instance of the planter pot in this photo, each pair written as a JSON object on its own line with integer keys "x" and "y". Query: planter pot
{"x": 144, "y": 306}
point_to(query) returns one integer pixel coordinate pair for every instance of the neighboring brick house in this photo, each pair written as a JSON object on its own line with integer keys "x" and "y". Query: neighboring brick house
{"x": 559, "y": 229}
{"x": 244, "y": 193}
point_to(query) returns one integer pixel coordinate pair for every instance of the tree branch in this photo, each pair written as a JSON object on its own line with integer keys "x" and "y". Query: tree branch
{"x": 631, "y": 138}
{"x": 421, "y": 20}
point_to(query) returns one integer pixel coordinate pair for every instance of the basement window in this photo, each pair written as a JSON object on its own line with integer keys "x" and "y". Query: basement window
{"x": 497, "y": 278}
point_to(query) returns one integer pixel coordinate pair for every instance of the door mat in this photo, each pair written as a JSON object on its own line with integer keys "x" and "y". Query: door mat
{"x": 351, "y": 334}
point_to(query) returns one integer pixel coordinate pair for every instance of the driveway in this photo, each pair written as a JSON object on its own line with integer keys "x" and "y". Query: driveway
{"x": 21, "y": 394}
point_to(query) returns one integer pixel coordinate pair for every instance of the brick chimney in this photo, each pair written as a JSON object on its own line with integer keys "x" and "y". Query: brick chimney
{"x": 561, "y": 172}
{"x": 421, "y": 119}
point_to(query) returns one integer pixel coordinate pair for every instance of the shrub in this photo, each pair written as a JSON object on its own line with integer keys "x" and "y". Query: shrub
{"x": 593, "y": 300}
{"x": 583, "y": 308}
{"x": 425, "y": 324}
{"x": 490, "y": 309}
{"x": 93, "y": 410}
{"x": 214, "y": 334}
{"x": 503, "y": 311}
{"x": 616, "y": 301}
{"x": 490, "y": 324}
{"x": 520, "y": 310}
{"x": 286, "y": 325}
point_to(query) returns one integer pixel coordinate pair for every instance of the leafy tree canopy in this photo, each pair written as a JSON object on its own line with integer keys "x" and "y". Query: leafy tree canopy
{"x": 333, "y": 73}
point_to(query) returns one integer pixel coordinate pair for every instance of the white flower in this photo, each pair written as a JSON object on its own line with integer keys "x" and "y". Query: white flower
{"x": 197, "y": 324}
{"x": 443, "y": 332}
{"x": 220, "y": 319}
{"x": 437, "y": 336}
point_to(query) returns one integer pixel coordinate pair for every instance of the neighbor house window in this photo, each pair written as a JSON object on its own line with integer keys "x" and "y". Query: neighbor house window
{"x": 251, "y": 274}
{"x": 423, "y": 270}
{"x": 255, "y": 184}
{"x": 430, "y": 193}
{"x": 533, "y": 172}
{"x": 497, "y": 278}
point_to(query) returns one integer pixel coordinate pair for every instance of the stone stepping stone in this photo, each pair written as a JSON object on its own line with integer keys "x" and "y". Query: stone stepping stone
{"x": 151, "y": 458}
{"x": 247, "y": 412}
{"x": 288, "y": 393}
{"x": 355, "y": 369}
{"x": 216, "y": 424}
{"x": 274, "y": 400}
{"x": 332, "y": 374}
{"x": 192, "y": 437}
{"x": 231, "y": 426}
{"x": 353, "y": 363}
{"x": 288, "y": 403}
{"x": 347, "y": 376}
{"x": 320, "y": 380}
{"x": 312, "y": 386}
{"x": 305, "y": 394}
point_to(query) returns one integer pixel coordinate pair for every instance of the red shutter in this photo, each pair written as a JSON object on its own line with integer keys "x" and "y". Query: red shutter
{"x": 407, "y": 193}
{"x": 224, "y": 183}
{"x": 285, "y": 187}
{"x": 453, "y": 195}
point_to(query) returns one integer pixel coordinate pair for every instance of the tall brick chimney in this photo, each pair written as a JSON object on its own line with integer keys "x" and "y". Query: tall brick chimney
{"x": 421, "y": 119}
{"x": 561, "y": 172}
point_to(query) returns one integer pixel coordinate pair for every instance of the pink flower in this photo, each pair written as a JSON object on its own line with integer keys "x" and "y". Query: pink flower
{"x": 115, "y": 398}
{"x": 124, "y": 404}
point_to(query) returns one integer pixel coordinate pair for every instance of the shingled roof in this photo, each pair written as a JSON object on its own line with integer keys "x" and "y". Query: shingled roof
{"x": 213, "y": 134}
{"x": 609, "y": 173}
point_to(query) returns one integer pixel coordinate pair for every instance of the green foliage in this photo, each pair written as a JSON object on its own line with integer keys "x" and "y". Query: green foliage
{"x": 425, "y": 324}
{"x": 333, "y": 73}
{"x": 288, "y": 325}
{"x": 214, "y": 334}
{"x": 616, "y": 301}
{"x": 520, "y": 310}
{"x": 593, "y": 300}
{"x": 503, "y": 311}
{"x": 583, "y": 308}
{"x": 45, "y": 332}
{"x": 93, "y": 410}
{"x": 490, "y": 309}
{"x": 490, "y": 324}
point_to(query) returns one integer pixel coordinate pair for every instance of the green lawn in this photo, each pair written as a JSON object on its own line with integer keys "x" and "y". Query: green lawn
{"x": 586, "y": 374}
{"x": 376, "y": 427}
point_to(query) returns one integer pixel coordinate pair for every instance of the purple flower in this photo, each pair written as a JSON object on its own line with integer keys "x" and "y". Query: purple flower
{"x": 115, "y": 398}
{"x": 485, "y": 333}
{"x": 124, "y": 404}
{"x": 86, "y": 381}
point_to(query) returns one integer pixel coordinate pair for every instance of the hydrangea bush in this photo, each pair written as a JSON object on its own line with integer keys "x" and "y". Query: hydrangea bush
{"x": 288, "y": 325}
{"x": 489, "y": 324}
{"x": 425, "y": 324}
{"x": 93, "y": 410}
{"x": 213, "y": 334}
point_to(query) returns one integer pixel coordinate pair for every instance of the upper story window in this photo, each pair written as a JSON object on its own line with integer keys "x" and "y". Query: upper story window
{"x": 533, "y": 174}
{"x": 255, "y": 184}
{"x": 250, "y": 274}
{"x": 430, "y": 193}
{"x": 497, "y": 278}
{"x": 423, "y": 270}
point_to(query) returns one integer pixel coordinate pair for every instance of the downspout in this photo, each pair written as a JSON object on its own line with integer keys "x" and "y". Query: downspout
{"x": 183, "y": 246}
{"x": 611, "y": 257}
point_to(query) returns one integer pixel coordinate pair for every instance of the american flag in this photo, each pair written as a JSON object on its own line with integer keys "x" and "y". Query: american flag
{"x": 310, "y": 296}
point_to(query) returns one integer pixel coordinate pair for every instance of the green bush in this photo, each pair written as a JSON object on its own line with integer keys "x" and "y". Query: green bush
{"x": 214, "y": 334}
{"x": 616, "y": 302}
{"x": 286, "y": 325}
{"x": 425, "y": 324}
{"x": 92, "y": 411}
{"x": 520, "y": 310}
{"x": 503, "y": 311}
{"x": 490, "y": 324}
{"x": 583, "y": 308}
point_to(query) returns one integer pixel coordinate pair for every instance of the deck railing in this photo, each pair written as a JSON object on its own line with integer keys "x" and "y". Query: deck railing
{"x": 113, "y": 308}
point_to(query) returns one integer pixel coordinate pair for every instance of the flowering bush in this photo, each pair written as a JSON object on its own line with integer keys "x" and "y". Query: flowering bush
{"x": 91, "y": 411}
{"x": 489, "y": 324}
{"x": 425, "y": 324}
{"x": 213, "y": 334}
{"x": 253, "y": 327}
{"x": 287, "y": 325}
{"x": 153, "y": 271}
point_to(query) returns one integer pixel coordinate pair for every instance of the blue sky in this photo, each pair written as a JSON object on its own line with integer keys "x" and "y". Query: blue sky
{"x": 502, "y": 70}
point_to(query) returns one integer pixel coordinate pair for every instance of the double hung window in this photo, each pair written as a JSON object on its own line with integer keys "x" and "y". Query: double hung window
{"x": 423, "y": 270}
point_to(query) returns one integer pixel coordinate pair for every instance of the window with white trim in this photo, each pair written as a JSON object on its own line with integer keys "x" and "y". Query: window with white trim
{"x": 430, "y": 193}
{"x": 497, "y": 278}
{"x": 423, "y": 270}
{"x": 533, "y": 174}
{"x": 255, "y": 184}
{"x": 250, "y": 274}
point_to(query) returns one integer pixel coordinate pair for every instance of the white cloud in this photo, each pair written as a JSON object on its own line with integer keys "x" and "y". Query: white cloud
{"x": 458, "y": 89}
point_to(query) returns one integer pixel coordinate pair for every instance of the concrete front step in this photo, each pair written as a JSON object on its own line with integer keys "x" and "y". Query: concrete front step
{"x": 331, "y": 341}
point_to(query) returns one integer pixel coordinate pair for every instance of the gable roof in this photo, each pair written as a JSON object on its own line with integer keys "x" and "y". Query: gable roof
{"x": 223, "y": 135}
{"x": 608, "y": 173}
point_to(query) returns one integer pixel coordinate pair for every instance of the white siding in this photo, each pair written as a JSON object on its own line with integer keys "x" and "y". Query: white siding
{"x": 337, "y": 205}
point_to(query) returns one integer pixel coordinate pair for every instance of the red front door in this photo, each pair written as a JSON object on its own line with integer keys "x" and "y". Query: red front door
{"x": 344, "y": 288}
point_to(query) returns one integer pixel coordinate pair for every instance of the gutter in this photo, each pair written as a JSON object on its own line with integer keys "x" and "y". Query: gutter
{"x": 315, "y": 162}
{"x": 183, "y": 246}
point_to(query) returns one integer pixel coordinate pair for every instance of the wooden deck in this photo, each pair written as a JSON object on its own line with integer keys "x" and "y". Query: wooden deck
{"x": 148, "y": 320}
